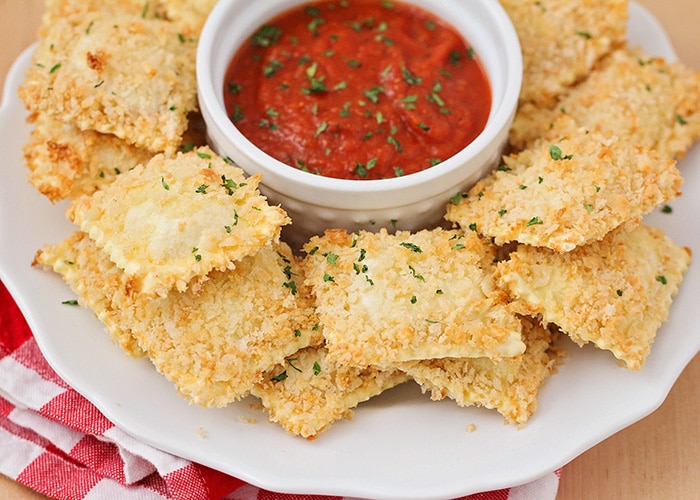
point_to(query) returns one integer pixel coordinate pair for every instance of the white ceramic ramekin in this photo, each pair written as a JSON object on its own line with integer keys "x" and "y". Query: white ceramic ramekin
{"x": 315, "y": 202}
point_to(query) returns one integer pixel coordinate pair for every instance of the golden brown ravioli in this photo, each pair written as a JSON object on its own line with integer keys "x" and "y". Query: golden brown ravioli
{"x": 213, "y": 343}
{"x": 98, "y": 283}
{"x": 615, "y": 293}
{"x": 568, "y": 192}
{"x": 114, "y": 72}
{"x": 384, "y": 298}
{"x": 176, "y": 219}
{"x": 66, "y": 162}
{"x": 307, "y": 393}
{"x": 640, "y": 98}
{"x": 562, "y": 40}
{"x": 509, "y": 385}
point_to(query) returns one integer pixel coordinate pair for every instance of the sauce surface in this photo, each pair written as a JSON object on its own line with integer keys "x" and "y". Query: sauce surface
{"x": 358, "y": 89}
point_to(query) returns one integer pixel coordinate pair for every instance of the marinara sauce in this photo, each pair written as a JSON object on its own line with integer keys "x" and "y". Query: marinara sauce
{"x": 358, "y": 89}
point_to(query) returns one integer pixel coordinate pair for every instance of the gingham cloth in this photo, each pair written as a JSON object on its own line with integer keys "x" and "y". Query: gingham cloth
{"x": 57, "y": 443}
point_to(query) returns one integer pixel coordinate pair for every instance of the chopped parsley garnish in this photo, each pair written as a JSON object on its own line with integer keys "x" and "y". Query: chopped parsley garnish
{"x": 556, "y": 153}
{"x": 266, "y": 36}
{"x": 411, "y": 246}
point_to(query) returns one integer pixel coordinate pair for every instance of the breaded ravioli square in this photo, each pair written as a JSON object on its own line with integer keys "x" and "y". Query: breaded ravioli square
{"x": 568, "y": 192}
{"x": 509, "y": 385}
{"x": 643, "y": 99}
{"x": 307, "y": 393}
{"x": 189, "y": 15}
{"x": 114, "y": 72}
{"x": 173, "y": 220}
{"x": 99, "y": 285}
{"x": 66, "y": 162}
{"x": 215, "y": 342}
{"x": 384, "y": 298}
{"x": 562, "y": 40}
{"x": 615, "y": 293}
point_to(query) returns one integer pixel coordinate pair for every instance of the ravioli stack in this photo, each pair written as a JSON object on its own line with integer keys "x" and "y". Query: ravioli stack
{"x": 572, "y": 194}
{"x": 180, "y": 257}
{"x": 111, "y": 84}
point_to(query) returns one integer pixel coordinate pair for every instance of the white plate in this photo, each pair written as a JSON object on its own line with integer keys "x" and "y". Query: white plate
{"x": 400, "y": 444}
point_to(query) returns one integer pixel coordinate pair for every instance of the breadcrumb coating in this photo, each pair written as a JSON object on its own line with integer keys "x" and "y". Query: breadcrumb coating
{"x": 615, "y": 293}
{"x": 174, "y": 220}
{"x": 99, "y": 285}
{"x": 648, "y": 101}
{"x": 568, "y": 192}
{"x": 65, "y": 162}
{"x": 562, "y": 40}
{"x": 307, "y": 393}
{"x": 509, "y": 385}
{"x": 384, "y": 298}
{"x": 214, "y": 342}
{"x": 114, "y": 72}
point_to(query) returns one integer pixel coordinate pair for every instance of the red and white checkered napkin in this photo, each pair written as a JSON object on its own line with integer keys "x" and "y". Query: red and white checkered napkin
{"x": 56, "y": 442}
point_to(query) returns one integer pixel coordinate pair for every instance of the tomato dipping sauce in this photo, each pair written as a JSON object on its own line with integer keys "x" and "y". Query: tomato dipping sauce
{"x": 361, "y": 89}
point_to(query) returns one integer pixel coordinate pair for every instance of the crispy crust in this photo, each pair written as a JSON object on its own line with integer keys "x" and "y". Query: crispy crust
{"x": 599, "y": 183}
{"x": 644, "y": 99}
{"x": 114, "y": 72}
{"x": 213, "y": 343}
{"x": 615, "y": 293}
{"x": 98, "y": 283}
{"x": 510, "y": 385}
{"x": 65, "y": 162}
{"x": 385, "y": 298}
{"x": 562, "y": 40}
{"x": 174, "y": 220}
{"x": 307, "y": 394}
{"x": 190, "y": 15}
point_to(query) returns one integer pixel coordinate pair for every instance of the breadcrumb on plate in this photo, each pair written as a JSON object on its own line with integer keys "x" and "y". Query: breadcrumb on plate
{"x": 174, "y": 220}
{"x": 615, "y": 293}
{"x": 307, "y": 393}
{"x": 643, "y": 99}
{"x": 562, "y": 40}
{"x": 384, "y": 298}
{"x": 567, "y": 192}
{"x": 509, "y": 385}
{"x": 115, "y": 72}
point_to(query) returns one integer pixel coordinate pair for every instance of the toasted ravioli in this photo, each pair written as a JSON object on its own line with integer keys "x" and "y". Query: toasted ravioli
{"x": 562, "y": 40}
{"x": 615, "y": 293}
{"x": 117, "y": 73}
{"x": 569, "y": 192}
{"x": 176, "y": 219}
{"x": 644, "y": 99}
{"x": 384, "y": 298}
{"x": 99, "y": 285}
{"x": 57, "y": 9}
{"x": 66, "y": 162}
{"x": 215, "y": 342}
{"x": 509, "y": 385}
{"x": 190, "y": 15}
{"x": 306, "y": 394}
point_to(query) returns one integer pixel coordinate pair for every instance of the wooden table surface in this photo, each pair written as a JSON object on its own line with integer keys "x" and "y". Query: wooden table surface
{"x": 656, "y": 458}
